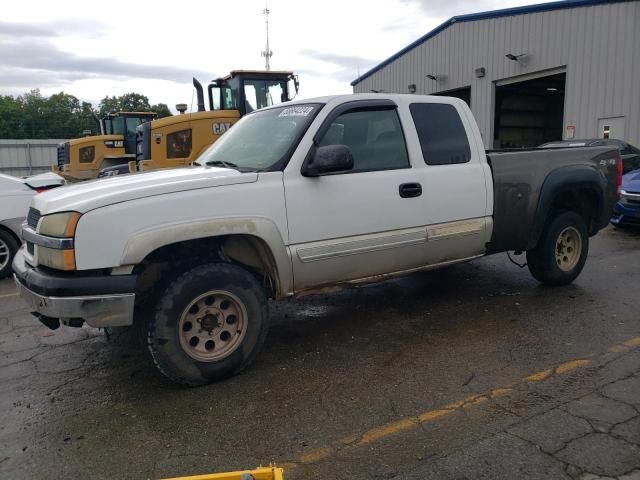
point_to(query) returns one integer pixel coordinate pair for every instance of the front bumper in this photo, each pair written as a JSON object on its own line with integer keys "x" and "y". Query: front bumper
{"x": 99, "y": 300}
{"x": 624, "y": 215}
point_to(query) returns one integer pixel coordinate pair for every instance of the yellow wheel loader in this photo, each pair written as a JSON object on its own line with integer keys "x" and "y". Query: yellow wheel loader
{"x": 83, "y": 158}
{"x": 177, "y": 141}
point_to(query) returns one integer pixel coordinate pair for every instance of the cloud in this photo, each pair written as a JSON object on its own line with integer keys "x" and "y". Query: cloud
{"x": 8, "y": 29}
{"x": 60, "y": 28}
{"x": 24, "y": 79}
{"x": 347, "y": 61}
{"x": 36, "y": 59}
{"x": 448, "y": 8}
{"x": 348, "y": 65}
{"x": 445, "y": 9}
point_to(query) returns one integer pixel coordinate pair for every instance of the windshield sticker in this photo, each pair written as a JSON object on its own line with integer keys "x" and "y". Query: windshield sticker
{"x": 296, "y": 111}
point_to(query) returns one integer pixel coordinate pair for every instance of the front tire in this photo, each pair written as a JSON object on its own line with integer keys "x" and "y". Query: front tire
{"x": 8, "y": 249}
{"x": 561, "y": 252}
{"x": 209, "y": 324}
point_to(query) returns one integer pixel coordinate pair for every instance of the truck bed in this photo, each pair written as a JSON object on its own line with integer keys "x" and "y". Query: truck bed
{"x": 525, "y": 181}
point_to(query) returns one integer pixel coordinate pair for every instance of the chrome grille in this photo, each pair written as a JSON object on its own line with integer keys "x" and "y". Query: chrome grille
{"x": 33, "y": 217}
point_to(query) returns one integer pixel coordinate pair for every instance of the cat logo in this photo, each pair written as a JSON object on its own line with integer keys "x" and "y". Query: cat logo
{"x": 220, "y": 128}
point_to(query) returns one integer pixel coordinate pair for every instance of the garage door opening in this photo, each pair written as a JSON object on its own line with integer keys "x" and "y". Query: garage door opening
{"x": 529, "y": 113}
{"x": 461, "y": 93}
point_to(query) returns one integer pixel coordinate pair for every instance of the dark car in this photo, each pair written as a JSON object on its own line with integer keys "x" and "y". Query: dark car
{"x": 630, "y": 154}
{"x": 626, "y": 212}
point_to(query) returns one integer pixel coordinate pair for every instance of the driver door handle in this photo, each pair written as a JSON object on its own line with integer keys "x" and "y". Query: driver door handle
{"x": 410, "y": 190}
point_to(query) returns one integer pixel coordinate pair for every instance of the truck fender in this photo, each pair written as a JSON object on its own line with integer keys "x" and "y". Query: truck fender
{"x": 561, "y": 180}
{"x": 140, "y": 245}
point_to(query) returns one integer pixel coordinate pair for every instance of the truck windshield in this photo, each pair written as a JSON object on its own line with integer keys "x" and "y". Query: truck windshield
{"x": 263, "y": 140}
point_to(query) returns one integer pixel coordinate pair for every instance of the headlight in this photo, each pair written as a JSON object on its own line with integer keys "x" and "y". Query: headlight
{"x": 58, "y": 259}
{"x": 59, "y": 225}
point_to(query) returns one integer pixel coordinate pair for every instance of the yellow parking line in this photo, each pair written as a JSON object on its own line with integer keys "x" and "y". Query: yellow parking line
{"x": 432, "y": 415}
{"x": 572, "y": 365}
{"x": 500, "y": 392}
{"x": 618, "y": 349}
{"x": 633, "y": 342}
{"x": 539, "y": 376}
{"x": 316, "y": 455}
{"x": 392, "y": 428}
{"x": 387, "y": 430}
{"x": 8, "y": 295}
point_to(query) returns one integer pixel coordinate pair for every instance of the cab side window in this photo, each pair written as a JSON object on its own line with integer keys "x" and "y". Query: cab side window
{"x": 179, "y": 144}
{"x": 87, "y": 154}
{"x": 443, "y": 138}
{"x": 374, "y": 137}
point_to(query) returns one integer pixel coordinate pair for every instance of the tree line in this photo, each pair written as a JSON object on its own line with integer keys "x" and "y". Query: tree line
{"x": 34, "y": 116}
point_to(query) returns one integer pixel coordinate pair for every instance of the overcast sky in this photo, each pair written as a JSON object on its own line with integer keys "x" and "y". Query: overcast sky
{"x": 154, "y": 48}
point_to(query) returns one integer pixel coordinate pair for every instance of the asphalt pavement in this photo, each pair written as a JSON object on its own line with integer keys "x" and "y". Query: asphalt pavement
{"x": 472, "y": 372}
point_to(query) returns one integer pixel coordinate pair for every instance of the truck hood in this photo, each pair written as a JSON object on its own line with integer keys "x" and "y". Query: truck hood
{"x": 631, "y": 182}
{"x": 86, "y": 196}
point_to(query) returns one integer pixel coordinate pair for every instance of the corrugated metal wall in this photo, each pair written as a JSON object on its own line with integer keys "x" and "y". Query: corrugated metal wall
{"x": 27, "y": 157}
{"x": 598, "y": 45}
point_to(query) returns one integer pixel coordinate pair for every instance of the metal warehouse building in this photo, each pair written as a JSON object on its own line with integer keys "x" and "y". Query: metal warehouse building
{"x": 531, "y": 74}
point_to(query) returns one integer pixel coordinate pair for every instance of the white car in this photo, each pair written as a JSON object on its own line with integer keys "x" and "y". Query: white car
{"x": 15, "y": 198}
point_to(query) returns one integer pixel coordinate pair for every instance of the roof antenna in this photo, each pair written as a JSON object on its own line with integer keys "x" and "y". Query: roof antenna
{"x": 267, "y": 53}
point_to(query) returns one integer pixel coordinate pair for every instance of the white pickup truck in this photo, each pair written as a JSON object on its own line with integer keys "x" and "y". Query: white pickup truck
{"x": 294, "y": 198}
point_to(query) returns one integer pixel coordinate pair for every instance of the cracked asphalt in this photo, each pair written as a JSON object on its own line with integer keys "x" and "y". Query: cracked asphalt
{"x": 473, "y": 372}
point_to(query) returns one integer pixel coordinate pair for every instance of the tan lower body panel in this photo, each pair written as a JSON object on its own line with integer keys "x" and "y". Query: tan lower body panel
{"x": 350, "y": 259}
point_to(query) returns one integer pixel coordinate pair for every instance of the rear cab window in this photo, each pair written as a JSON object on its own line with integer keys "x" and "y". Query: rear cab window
{"x": 443, "y": 138}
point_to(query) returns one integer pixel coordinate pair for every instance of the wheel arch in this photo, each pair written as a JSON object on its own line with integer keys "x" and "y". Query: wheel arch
{"x": 12, "y": 233}
{"x": 253, "y": 243}
{"x": 577, "y": 188}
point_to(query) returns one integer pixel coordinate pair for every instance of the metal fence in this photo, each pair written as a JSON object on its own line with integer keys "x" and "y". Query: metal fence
{"x": 27, "y": 157}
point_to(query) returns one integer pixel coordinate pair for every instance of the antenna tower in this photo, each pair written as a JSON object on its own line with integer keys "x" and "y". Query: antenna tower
{"x": 267, "y": 53}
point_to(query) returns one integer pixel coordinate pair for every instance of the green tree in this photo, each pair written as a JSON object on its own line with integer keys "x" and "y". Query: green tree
{"x": 161, "y": 109}
{"x": 11, "y": 117}
{"x": 129, "y": 102}
{"x": 33, "y": 114}
{"x": 61, "y": 115}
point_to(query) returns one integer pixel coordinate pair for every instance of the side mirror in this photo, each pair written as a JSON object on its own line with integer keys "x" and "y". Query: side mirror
{"x": 293, "y": 81}
{"x": 329, "y": 159}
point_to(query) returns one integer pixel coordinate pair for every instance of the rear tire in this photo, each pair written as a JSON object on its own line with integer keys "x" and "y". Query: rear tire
{"x": 208, "y": 324}
{"x": 561, "y": 251}
{"x": 8, "y": 249}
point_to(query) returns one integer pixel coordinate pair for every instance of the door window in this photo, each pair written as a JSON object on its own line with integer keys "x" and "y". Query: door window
{"x": 374, "y": 137}
{"x": 443, "y": 138}
{"x": 132, "y": 124}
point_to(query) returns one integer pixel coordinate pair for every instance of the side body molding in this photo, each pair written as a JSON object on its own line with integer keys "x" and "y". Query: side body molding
{"x": 143, "y": 243}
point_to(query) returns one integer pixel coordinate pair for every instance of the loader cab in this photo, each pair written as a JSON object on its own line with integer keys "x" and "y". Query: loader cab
{"x": 247, "y": 91}
{"x": 125, "y": 124}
